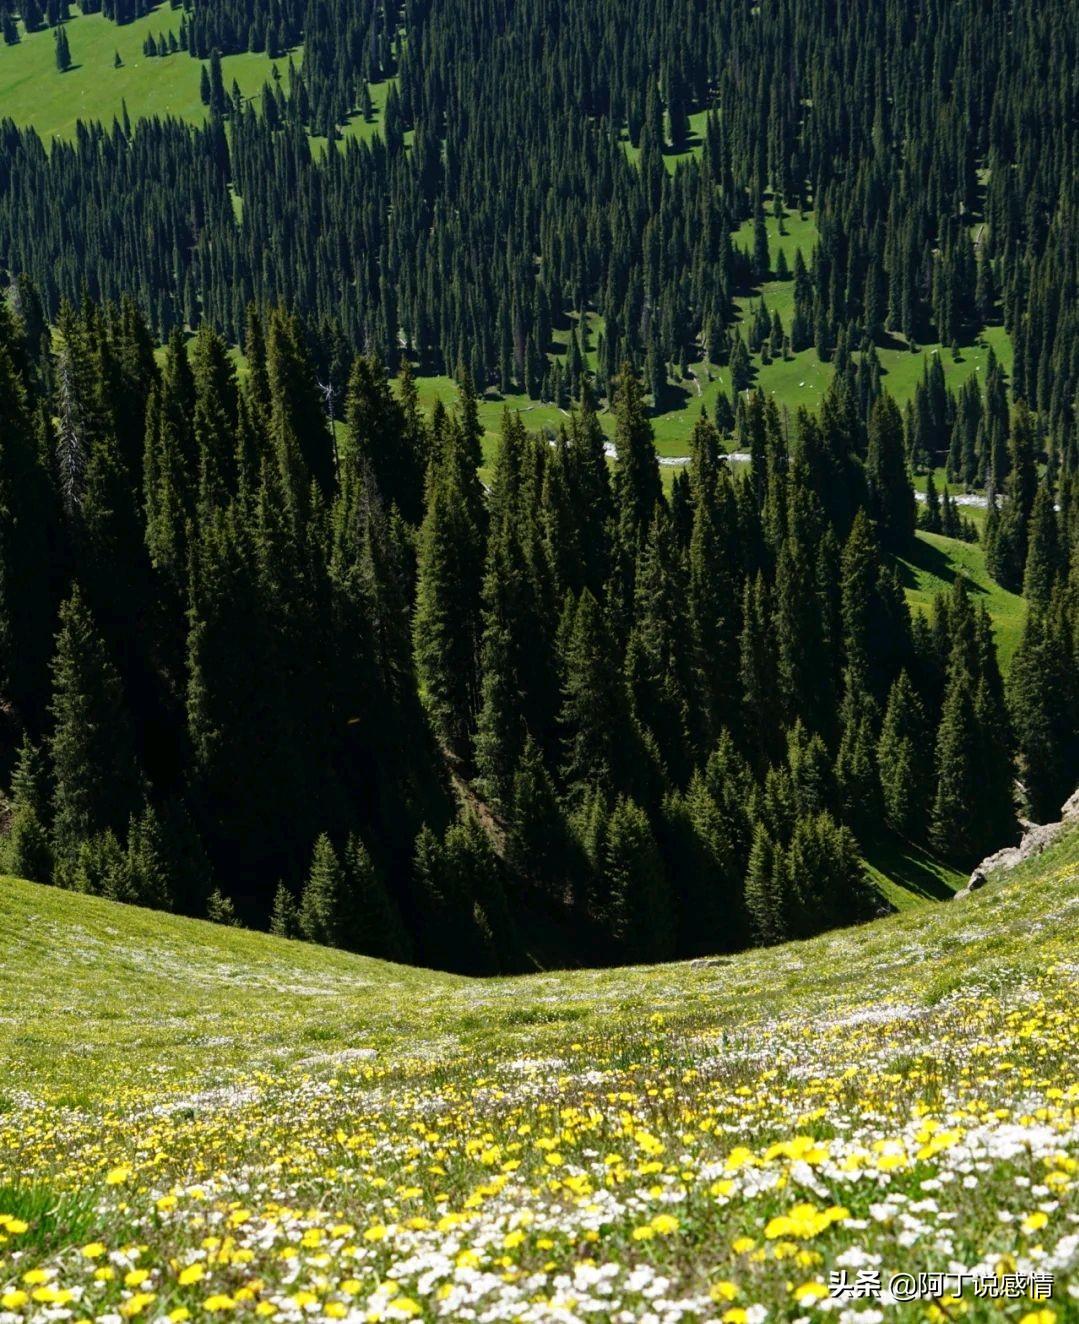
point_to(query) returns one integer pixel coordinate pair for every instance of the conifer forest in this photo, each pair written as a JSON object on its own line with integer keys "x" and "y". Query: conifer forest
{"x": 478, "y": 679}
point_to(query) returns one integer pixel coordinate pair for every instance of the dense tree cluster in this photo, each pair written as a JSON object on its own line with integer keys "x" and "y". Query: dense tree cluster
{"x": 258, "y": 663}
{"x": 934, "y": 144}
{"x": 268, "y": 648}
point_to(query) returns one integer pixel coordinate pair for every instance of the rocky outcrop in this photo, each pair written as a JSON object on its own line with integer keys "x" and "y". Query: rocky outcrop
{"x": 1037, "y": 837}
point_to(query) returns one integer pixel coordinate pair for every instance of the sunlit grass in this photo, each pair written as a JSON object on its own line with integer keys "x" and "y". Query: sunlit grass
{"x": 35, "y": 94}
{"x": 933, "y": 566}
{"x": 209, "y": 1121}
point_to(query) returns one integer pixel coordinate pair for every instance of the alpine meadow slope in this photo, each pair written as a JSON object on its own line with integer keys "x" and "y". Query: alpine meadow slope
{"x": 254, "y": 1127}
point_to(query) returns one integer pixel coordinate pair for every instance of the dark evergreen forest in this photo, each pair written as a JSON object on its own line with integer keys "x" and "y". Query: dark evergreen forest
{"x": 244, "y": 651}
{"x": 271, "y": 651}
{"x": 935, "y": 143}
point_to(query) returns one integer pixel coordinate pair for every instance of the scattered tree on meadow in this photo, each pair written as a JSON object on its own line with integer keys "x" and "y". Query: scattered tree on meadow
{"x": 63, "y": 49}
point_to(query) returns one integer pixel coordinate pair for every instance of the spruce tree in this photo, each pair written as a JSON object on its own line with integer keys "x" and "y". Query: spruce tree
{"x": 1042, "y": 694}
{"x": 298, "y": 430}
{"x": 218, "y": 102}
{"x": 891, "y": 500}
{"x": 1044, "y": 559}
{"x": 876, "y": 618}
{"x": 63, "y": 49}
{"x": 659, "y": 655}
{"x": 825, "y": 876}
{"x": 374, "y": 925}
{"x": 904, "y": 760}
{"x": 803, "y": 665}
{"x": 446, "y": 622}
{"x": 595, "y": 715}
{"x": 221, "y": 910}
{"x": 96, "y": 780}
{"x": 97, "y": 866}
{"x": 856, "y": 761}
{"x": 519, "y": 682}
{"x": 450, "y": 938}
{"x": 709, "y": 886}
{"x": 477, "y": 874}
{"x": 379, "y": 441}
{"x": 538, "y": 843}
{"x": 1005, "y": 545}
{"x": 150, "y": 874}
{"x": 931, "y": 520}
{"x": 636, "y": 475}
{"x": 758, "y": 670}
{"x": 324, "y": 905}
{"x": 28, "y": 517}
{"x": 812, "y": 777}
{"x": 29, "y": 853}
{"x": 765, "y": 890}
{"x": 713, "y": 583}
{"x": 957, "y": 771}
{"x": 589, "y": 489}
{"x": 636, "y": 897}
{"x": 285, "y": 916}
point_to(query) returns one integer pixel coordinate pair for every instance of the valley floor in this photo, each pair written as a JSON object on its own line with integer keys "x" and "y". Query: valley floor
{"x": 198, "y": 1121}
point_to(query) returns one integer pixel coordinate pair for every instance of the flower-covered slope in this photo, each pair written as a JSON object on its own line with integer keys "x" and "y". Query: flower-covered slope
{"x": 198, "y": 1122}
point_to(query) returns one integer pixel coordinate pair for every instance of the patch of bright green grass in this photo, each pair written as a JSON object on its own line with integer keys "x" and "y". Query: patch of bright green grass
{"x": 932, "y": 567}
{"x": 34, "y": 93}
{"x": 907, "y": 875}
{"x": 357, "y": 128}
{"x": 671, "y": 156}
{"x": 55, "y": 1219}
{"x": 492, "y": 406}
{"x": 218, "y": 979}
{"x": 795, "y": 231}
{"x": 802, "y": 380}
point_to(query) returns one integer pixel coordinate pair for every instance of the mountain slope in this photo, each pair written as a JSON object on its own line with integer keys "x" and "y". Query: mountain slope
{"x": 228, "y": 1123}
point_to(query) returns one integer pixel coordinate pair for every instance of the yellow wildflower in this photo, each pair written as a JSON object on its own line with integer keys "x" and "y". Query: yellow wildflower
{"x": 136, "y": 1304}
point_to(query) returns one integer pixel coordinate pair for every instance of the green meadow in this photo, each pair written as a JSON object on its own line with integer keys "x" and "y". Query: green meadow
{"x": 200, "y": 1122}
{"x": 34, "y": 92}
{"x": 933, "y": 565}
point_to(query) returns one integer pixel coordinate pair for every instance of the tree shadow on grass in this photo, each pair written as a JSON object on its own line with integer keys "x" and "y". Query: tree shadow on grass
{"x": 908, "y": 865}
{"x": 922, "y": 555}
{"x": 889, "y": 340}
{"x": 693, "y": 142}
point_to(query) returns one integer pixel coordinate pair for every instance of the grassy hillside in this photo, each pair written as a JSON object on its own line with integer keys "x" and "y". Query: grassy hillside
{"x": 198, "y": 1121}
{"x": 934, "y": 565}
{"x": 34, "y": 92}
